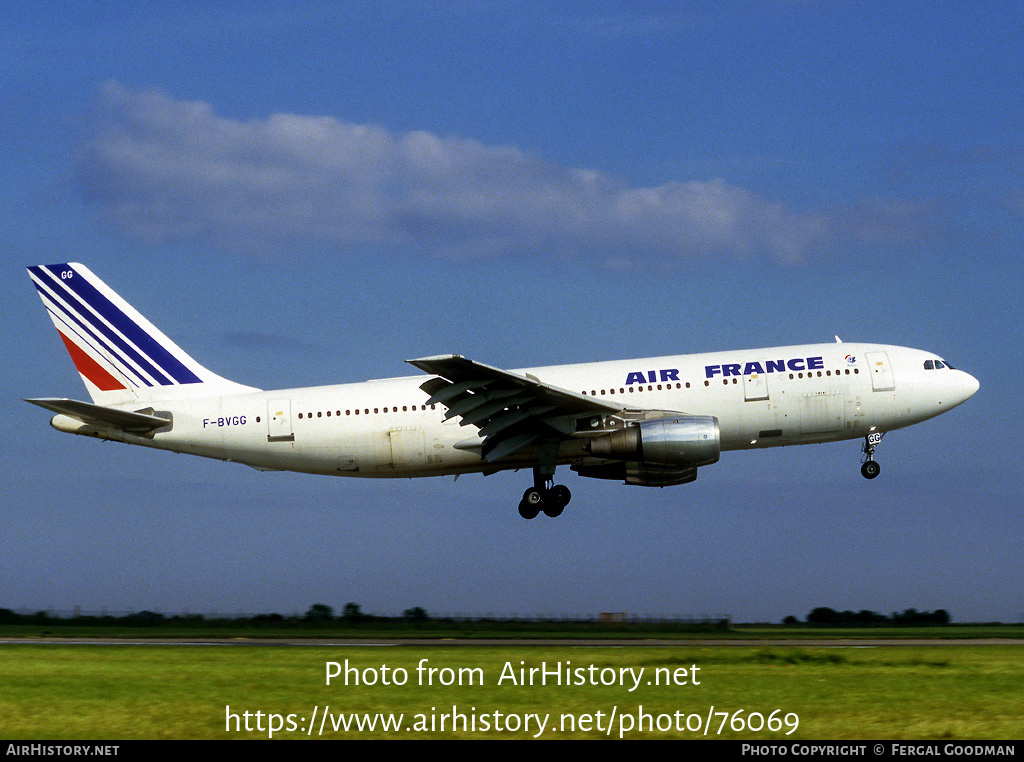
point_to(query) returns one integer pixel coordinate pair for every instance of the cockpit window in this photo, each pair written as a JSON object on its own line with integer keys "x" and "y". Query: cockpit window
{"x": 937, "y": 364}
{"x": 929, "y": 365}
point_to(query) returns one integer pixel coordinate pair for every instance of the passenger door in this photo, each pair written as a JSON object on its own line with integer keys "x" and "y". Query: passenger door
{"x": 279, "y": 421}
{"x": 881, "y": 372}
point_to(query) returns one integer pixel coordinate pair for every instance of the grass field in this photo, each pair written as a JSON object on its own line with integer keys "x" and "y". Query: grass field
{"x": 153, "y": 692}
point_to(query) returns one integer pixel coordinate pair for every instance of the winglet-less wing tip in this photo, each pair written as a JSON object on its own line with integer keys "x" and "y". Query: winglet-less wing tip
{"x": 433, "y": 359}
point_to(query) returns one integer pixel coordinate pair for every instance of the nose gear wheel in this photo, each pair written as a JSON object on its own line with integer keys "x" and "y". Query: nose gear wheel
{"x": 869, "y": 468}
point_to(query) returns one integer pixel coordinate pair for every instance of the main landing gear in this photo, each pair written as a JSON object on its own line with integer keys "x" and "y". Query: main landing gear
{"x": 544, "y": 496}
{"x": 869, "y": 468}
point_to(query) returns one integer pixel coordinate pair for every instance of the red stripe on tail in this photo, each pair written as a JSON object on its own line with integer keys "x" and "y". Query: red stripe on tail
{"x": 90, "y": 369}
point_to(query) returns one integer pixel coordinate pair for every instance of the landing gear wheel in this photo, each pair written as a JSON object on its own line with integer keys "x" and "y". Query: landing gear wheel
{"x": 527, "y": 511}
{"x": 870, "y": 469}
{"x": 532, "y": 503}
{"x": 557, "y": 498}
{"x": 534, "y": 497}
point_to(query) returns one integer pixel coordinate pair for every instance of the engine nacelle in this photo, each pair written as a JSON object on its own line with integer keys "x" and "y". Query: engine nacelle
{"x": 687, "y": 440}
{"x": 641, "y": 474}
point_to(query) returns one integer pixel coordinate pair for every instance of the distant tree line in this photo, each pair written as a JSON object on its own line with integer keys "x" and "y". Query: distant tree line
{"x": 826, "y": 617}
{"x": 351, "y": 614}
{"x": 320, "y": 614}
{"x": 322, "y": 618}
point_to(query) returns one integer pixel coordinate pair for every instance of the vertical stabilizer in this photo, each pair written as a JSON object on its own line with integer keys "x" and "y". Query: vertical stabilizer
{"x": 121, "y": 356}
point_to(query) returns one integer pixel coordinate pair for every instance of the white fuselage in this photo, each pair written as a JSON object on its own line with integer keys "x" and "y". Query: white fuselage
{"x": 762, "y": 398}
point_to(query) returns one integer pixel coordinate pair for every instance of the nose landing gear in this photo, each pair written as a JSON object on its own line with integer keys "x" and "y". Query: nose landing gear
{"x": 869, "y": 468}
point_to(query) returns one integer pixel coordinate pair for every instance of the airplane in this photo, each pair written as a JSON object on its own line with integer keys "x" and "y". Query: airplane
{"x": 648, "y": 422}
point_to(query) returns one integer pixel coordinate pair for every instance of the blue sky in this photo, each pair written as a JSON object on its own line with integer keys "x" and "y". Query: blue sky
{"x": 309, "y": 193}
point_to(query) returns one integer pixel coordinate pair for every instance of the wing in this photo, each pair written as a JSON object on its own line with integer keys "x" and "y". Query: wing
{"x": 512, "y": 411}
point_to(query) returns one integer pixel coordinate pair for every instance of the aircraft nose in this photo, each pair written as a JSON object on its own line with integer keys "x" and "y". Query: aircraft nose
{"x": 970, "y": 385}
{"x": 966, "y": 387}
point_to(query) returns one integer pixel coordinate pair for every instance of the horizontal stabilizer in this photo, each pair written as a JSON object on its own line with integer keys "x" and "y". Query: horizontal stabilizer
{"x": 88, "y": 413}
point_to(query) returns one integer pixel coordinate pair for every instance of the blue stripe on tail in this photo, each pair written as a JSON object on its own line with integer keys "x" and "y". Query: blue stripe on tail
{"x": 170, "y": 370}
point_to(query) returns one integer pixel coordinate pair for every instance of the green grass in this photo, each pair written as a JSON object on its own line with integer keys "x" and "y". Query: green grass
{"x": 152, "y": 692}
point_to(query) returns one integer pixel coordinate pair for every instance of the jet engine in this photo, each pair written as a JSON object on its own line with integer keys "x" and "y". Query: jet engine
{"x": 656, "y": 453}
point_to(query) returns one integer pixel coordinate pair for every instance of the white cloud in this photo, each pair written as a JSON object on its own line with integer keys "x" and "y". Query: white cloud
{"x": 165, "y": 170}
